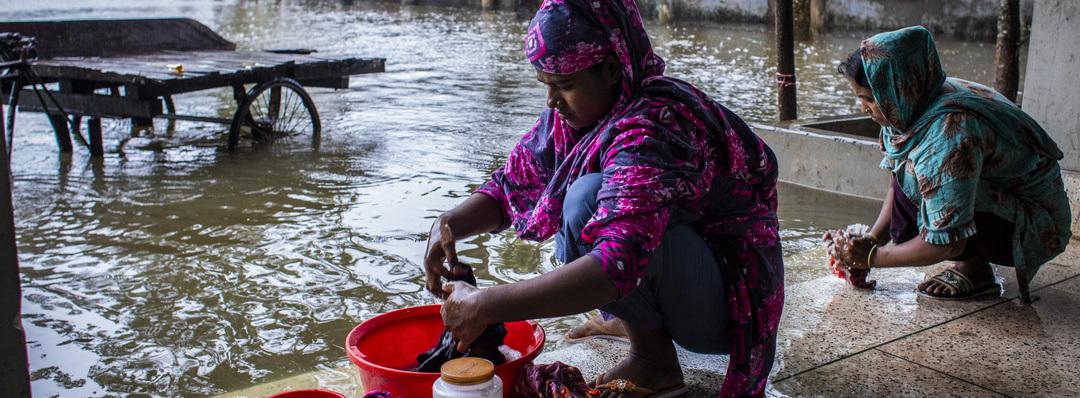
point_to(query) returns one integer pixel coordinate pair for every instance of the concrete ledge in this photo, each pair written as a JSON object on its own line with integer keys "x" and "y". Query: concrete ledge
{"x": 836, "y": 162}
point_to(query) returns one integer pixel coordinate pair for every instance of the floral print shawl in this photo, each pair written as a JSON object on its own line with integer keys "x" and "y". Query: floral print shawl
{"x": 958, "y": 147}
{"x": 665, "y": 145}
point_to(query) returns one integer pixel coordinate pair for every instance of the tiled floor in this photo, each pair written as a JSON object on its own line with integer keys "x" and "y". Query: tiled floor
{"x": 1015, "y": 349}
{"x": 891, "y": 343}
{"x": 877, "y": 374}
{"x": 836, "y": 341}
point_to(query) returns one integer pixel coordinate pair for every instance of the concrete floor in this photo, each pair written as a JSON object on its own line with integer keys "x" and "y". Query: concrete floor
{"x": 836, "y": 341}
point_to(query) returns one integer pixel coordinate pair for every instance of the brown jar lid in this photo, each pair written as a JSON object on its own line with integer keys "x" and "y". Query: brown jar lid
{"x": 466, "y": 371}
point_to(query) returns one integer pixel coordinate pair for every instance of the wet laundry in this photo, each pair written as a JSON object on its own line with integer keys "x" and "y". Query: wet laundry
{"x": 554, "y": 380}
{"x": 856, "y": 277}
{"x": 445, "y": 349}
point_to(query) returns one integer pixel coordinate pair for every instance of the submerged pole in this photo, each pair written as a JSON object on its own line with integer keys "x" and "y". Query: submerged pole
{"x": 785, "y": 60}
{"x": 14, "y": 367}
{"x": 1007, "y": 50}
{"x": 819, "y": 13}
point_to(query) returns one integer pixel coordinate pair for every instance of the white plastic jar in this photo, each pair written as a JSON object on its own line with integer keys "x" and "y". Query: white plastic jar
{"x": 467, "y": 378}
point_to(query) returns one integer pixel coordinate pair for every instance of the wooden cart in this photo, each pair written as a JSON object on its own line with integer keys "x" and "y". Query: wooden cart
{"x": 131, "y": 69}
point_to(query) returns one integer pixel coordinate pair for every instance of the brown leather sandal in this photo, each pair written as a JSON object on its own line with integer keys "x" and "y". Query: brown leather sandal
{"x": 959, "y": 287}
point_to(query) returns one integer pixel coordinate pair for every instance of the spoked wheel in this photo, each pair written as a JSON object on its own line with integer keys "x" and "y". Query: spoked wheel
{"x": 274, "y": 110}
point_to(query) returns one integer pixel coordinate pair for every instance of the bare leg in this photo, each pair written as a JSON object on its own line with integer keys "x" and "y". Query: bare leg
{"x": 597, "y": 326}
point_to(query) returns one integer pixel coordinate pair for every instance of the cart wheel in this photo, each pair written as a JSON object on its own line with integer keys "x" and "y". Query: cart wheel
{"x": 276, "y": 109}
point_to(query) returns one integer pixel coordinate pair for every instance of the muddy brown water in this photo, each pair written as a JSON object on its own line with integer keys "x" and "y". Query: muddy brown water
{"x": 172, "y": 268}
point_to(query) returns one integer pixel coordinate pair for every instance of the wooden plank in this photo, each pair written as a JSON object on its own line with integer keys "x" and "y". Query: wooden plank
{"x": 359, "y": 66}
{"x": 192, "y": 118}
{"x": 205, "y": 70}
{"x": 221, "y": 66}
{"x": 239, "y": 59}
{"x": 92, "y": 105}
{"x": 333, "y": 82}
{"x": 53, "y": 72}
{"x": 346, "y": 67}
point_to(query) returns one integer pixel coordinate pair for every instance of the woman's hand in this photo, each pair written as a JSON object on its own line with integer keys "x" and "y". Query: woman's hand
{"x": 852, "y": 251}
{"x": 827, "y": 238}
{"x": 461, "y": 313}
{"x": 441, "y": 249}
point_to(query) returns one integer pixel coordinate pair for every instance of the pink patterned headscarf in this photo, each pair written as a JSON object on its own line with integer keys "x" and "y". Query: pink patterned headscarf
{"x": 568, "y": 36}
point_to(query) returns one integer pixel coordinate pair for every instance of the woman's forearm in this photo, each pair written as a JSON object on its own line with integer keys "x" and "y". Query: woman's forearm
{"x": 914, "y": 253}
{"x": 479, "y": 213}
{"x": 574, "y": 288}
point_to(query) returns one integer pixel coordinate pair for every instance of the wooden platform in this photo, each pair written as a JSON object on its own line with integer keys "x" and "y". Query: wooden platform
{"x": 144, "y": 62}
{"x": 207, "y": 69}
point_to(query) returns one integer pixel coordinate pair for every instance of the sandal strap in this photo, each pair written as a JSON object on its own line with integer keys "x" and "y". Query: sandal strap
{"x": 954, "y": 280}
{"x": 621, "y": 385}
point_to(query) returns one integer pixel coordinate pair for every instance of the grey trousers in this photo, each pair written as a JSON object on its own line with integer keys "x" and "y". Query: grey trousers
{"x": 682, "y": 292}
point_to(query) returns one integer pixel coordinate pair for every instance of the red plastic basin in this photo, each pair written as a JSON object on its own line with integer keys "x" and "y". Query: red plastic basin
{"x": 308, "y": 394}
{"x": 385, "y": 344}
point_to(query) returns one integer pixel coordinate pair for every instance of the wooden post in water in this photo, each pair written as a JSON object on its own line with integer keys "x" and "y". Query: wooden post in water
{"x": 785, "y": 60}
{"x": 97, "y": 147}
{"x": 14, "y": 367}
{"x": 1007, "y": 50}
{"x": 818, "y": 16}
{"x": 63, "y": 134}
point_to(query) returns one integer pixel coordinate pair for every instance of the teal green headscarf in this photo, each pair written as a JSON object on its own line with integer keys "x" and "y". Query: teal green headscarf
{"x": 957, "y": 147}
{"x": 906, "y": 77}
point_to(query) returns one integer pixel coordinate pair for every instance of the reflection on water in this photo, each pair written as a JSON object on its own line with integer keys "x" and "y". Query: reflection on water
{"x": 174, "y": 268}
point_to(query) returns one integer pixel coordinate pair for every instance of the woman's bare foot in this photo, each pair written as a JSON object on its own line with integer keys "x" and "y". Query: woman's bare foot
{"x": 598, "y": 327}
{"x": 652, "y": 364}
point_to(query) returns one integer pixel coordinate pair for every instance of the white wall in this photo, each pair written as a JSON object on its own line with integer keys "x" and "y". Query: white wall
{"x": 1052, "y": 86}
{"x": 975, "y": 18}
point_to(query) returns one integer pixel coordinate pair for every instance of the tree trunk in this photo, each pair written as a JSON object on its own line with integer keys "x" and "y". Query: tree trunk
{"x": 801, "y": 17}
{"x": 785, "y": 60}
{"x": 772, "y": 12}
{"x": 1007, "y": 51}
{"x": 14, "y": 367}
{"x": 818, "y": 16}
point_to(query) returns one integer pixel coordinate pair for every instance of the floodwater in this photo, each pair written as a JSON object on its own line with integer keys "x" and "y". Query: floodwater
{"x": 172, "y": 268}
